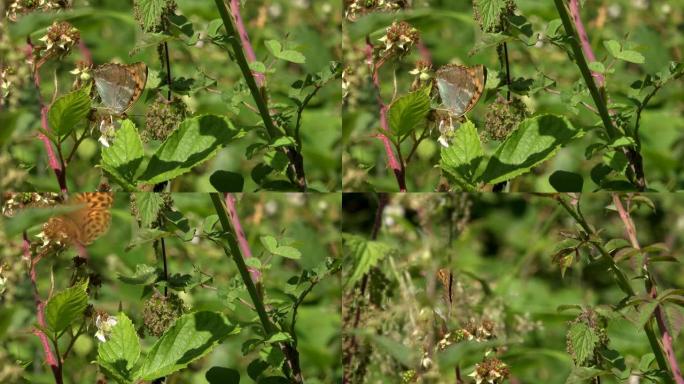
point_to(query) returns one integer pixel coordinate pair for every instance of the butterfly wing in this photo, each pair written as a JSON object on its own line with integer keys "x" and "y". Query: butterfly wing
{"x": 460, "y": 87}
{"x": 119, "y": 86}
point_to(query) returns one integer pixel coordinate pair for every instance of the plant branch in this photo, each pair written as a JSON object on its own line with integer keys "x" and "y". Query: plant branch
{"x": 633, "y": 156}
{"x": 293, "y": 154}
{"x": 50, "y": 359}
{"x": 244, "y": 37}
{"x": 234, "y": 251}
{"x": 231, "y": 201}
{"x": 622, "y": 280}
{"x": 665, "y": 337}
{"x": 392, "y": 162}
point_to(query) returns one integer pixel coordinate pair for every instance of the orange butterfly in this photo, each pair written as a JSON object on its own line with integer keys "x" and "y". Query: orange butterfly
{"x": 84, "y": 225}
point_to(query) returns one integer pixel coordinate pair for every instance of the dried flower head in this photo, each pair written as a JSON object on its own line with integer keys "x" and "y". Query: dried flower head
{"x": 60, "y": 38}
{"x": 357, "y": 8}
{"x": 21, "y": 7}
{"x": 399, "y": 39}
{"x": 491, "y": 371}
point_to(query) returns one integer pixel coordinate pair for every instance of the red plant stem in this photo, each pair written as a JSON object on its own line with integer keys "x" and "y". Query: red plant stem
{"x": 55, "y": 164}
{"x": 392, "y": 161}
{"x": 40, "y": 312}
{"x": 584, "y": 39}
{"x": 85, "y": 52}
{"x": 665, "y": 337}
{"x": 231, "y": 205}
{"x": 244, "y": 37}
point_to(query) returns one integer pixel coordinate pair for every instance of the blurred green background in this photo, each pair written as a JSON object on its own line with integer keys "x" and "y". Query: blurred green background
{"x": 449, "y": 32}
{"x": 111, "y": 33}
{"x": 504, "y": 244}
{"x": 312, "y": 220}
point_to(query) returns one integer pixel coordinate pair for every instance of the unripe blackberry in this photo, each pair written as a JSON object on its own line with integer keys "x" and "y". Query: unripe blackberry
{"x": 503, "y": 117}
{"x": 163, "y": 117}
{"x": 161, "y": 312}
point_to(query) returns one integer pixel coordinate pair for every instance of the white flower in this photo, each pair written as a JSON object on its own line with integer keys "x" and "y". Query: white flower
{"x": 104, "y": 324}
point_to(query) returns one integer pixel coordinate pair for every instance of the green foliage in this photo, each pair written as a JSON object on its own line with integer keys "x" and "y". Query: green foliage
{"x": 463, "y": 157}
{"x": 123, "y": 159}
{"x": 192, "y": 336}
{"x": 65, "y": 307}
{"x": 536, "y": 140}
{"x": 149, "y": 205}
{"x": 69, "y": 113}
{"x": 617, "y": 51}
{"x": 119, "y": 354}
{"x": 290, "y": 55}
{"x": 407, "y": 114}
{"x": 364, "y": 255}
{"x": 583, "y": 341}
{"x": 280, "y": 248}
{"x": 196, "y": 140}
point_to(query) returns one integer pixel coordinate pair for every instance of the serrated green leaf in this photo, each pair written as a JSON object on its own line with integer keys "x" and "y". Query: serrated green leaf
{"x": 196, "y": 140}
{"x": 144, "y": 274}
{"x": 69, "y": 112}
{"x": 490, "y": 12}
{"x": 192, "y": 336}
{"x": 123, "y": 158}
{"x": 408, "y": 113}
{"x": 149, "y": 204}
{"x": 583, "y": 341}
{"x": 279, "y": 337}
{"x": 292, "y": 56}
{"x": 269, "y": 242}
{"x": 272, "y": 246}
{"x": 65, "y": 307}
{"x": 365, "y": 254}
{"x": 463, "y": 157}
{"x": 147, "y": 235}
{"x": 536, "y": 140}
{"x": 151, "y": 12}
{"x": 121, "y": 350}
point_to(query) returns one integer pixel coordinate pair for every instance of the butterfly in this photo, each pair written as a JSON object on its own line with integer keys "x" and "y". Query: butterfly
{"x": 85, "y": 224}
{"x": 447, "y": 279}
{"x": 460, "y": 87}
{"x": 119, "y": 85}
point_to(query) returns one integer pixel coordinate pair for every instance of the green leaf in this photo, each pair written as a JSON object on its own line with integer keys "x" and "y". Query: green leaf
{"x": 192, "y": 336}
{"x": 122, "y": 160}
{"x": 279, "y": 337}
{"x": 616, "y": 50}
{"x": 66, "y": 306}
{"x": 196, "y": 140}
{"x": 582, "y": 375}
{"x": 149, "y": 204}
{"x": 147, "y": 235}
{"x": 222, "y": 375}
{"x": 583, "y": 341}
{"x": 121, "y": 351}
{"x": 226, "y": 181}
{"x": 408, "y": 113}
{"x": 288, "y": 54}
{"x": 490, "y": 12}
{"x": 536, "y": 140}
{"x": 463, "y": 157}
{"x": 564, "y": 181}
{"x": 144, "y": 275}
{"x": 69, "y": 112}
{"x": 272, "y": 246}
{"x": 365, "y": 254}
{"x": 151, "y": 12}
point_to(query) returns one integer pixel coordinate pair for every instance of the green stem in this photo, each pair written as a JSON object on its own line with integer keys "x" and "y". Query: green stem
{"x": 236, "y": 254}
{"x": 613, "y": 132}
{"x": 273, "y": 132}
{"x": 291, "y": 354}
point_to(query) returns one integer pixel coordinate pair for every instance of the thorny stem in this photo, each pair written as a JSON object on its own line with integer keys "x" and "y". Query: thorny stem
{"x": 392, "y": 162}
{"x": 50, "y": 359}
{"x": 234, "y": 251}
{"x": 52, "y": 159}
{"x": 636, "y": 171}
{"x": 293, "y": 154}
{"x": 622, "y": 281}
{"x": 231, "y": 201}
{"x": 244, "y": 37}
{"x": 665, "y": 337}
